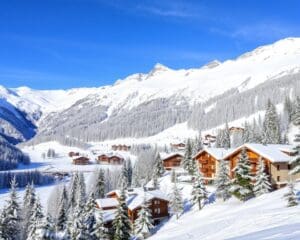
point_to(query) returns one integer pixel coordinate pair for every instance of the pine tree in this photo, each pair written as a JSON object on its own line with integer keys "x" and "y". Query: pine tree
{"x": 187, "y": 160}
{"x": 176, "y": 202}
{"x": 295, "y": 162}
{"x": 73, "y": 191}
{"x": 246, "y": 133}
{"x": 129, "y": 171}
{"x": 144, "y": 223}
{"x": 226, "y": 137}
{"x": 81, "y": 197}
{"x": 290, "y": 196}
{"x": 47, "y": 229}
{"x": 99, "y": 184}
{"x": 241, "y": 185}
{"x": 271, "y": 127}
{"x": 262, "y": 183}
{"x": 222, "y": 182}
{"x": 288, "y": 108}
{"x": 77, "y": 228}
{"x": 121, "y": 223}
{"x": 296, "y": 113}
{"x": 90, "y": 217}
{"x": 36, "y": 221}
{"x": 63, "y": 211}
{"x": 155, "y": 183}
{"x": 100, "y": 231}
{"x": 159, "y": 169}
{"x": 199, "y": 192}
{"x": 11, "y": 217}
{"x": 28, "y": 208}
{"x": 197, "y": 145}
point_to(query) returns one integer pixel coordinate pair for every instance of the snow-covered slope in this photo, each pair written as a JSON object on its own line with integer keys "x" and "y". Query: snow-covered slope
{"x": 264, "y": 217}
{"x": 164, "y": 95}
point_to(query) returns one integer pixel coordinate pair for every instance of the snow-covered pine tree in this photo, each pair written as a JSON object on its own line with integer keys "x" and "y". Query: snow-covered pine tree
{"x": 155, "y": 182}
{"x": 136, "y": 177}
{"x": 62, "y": 217}
{"x": 90, "y": 217}
{"x": 296, "y": 112}
{"x": 271, "y": 126}
{"x": 144, "y": 223}
{"x": 11, "y": 217}
{"x": 36, "y": 221}
{"x": 129, "y": 171}
{"x": 159, "y": 169}
{"x": 295, "y": 162}
{"x": 81, "y": 197}
{"x": 223, "y": 182}
{"x": 290, "y": 196}
{"x": 28, "y": 208}
{"x": 197, "y": 144}
{"x": 123, "y": 180}
{"x": 262, "y": 183}
{"x": 99, "y": 187}
{"x": 187, "y": 160}
{"x": 199, "y": 192}
{"x": 73, "y": 189}
{"x": 121, "y": 223}
{"x": 219, "y": 138}
{"x": 241, "y": 184}
{"x": 176, "y": 202}
{"x": 226, "y": 137}
{"x": 47, "y": 229}
{"x": 288, "y": 108}
{"x": 77, "y": 229}
{"x": 246, "y": 133}
{"x": 100, "y": 231}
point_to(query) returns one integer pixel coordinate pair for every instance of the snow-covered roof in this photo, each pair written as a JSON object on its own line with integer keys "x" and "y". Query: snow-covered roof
{"x": 112, "y": 154}
{"x": 109, "y": 215}
{"x": 165, "y": 156}
{"x": 217, "y": 153}
{"x": 107, "y": 202}
{"x": 135, "y": 196}
{"x": 273, "y": 152}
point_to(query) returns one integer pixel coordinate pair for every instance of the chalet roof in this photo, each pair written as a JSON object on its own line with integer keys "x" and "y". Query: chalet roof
{"x": 164, "y": 156}
{"x": 111, "y": 154}
{"x": 108, "y": 215}
{"x": 272, "y": 152}
{"x": 107, "y": 202}
{"x": 80, "y": 157}
{"x": 217, "y": 153}
{"x": 135, "y": 196}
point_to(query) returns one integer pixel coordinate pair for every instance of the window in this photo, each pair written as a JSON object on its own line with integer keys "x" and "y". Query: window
{"x": 278, "y": 178}
{"x": 278, "y": 167}
{"x": 157, "y": 210}
{"x": 289, "y": 167}
{"x": 156, "y": 202}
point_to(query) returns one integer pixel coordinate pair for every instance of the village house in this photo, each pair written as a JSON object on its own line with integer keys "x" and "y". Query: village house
{"x": 233, "y": 130}
{"x": 81, "y": 160}
{"x": 157, "y": 202}
{"x": 115, "y": 159}
{"x": 172, "y": 160}
{"x": 209, "y": 139}
{"x": 208, "y": 161}
{"x": 178, "y": 146}
{"x": 73, "y": 154}
{"x": 275, "y": 156}
{"x": 120, "y": 147}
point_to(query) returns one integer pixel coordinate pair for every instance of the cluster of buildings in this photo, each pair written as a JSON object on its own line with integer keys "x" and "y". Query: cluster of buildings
{"x": 276, "y": 157}
{"x": 157, "y": 202}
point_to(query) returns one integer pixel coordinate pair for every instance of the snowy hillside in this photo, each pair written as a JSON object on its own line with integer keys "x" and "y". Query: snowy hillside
{"x": 264, "y": 217}
{"x": 146, "y": 104}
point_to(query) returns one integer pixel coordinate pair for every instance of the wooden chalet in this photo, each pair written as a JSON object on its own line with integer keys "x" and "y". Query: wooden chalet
{"x": 178, "y": 146}
{"x": 73, "y": 154}
{"x": 171, "y": 161}
{"x": 81, "y": 160}
{"x": 275, "y": 156}
{"x": 120, "y": 147}
{"x": 208, "y": 161}
{"x": 157, "y": 202}
{"x": 236, "y": 130}
{"x": 110, "y": 159}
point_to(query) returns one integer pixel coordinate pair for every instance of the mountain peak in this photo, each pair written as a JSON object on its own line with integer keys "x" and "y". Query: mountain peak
{"x": 211, "y": 64}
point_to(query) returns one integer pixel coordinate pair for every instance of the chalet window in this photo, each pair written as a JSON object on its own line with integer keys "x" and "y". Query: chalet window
{"x": 278, "y": 167}
{"x": 278, "y": 178}
{"x": 289, "y": 167}
{"x": 157, "y": 210}
{"x": 156, "y": 202}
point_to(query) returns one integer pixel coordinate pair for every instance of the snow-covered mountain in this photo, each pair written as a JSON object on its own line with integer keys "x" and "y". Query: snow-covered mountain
{"x": 145, "y": 104}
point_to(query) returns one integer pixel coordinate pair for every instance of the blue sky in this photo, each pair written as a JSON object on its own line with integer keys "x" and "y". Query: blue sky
{"x": 50, "y": 44}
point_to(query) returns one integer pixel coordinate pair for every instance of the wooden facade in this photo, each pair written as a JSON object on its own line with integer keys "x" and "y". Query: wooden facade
{"x": 120, "y": 147}
{"x": 81, "y": 161}
{"x": 158, "y": 207}
{"x": 172, "y": 161}
{"x": 207, "y": 164}
{"x": 73, "y": 154}
{"x": 105, "y": 159}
